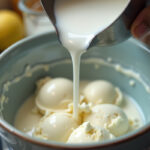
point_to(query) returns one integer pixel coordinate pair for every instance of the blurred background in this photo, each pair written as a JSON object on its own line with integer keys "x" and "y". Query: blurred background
{"x": 21, "y": 18}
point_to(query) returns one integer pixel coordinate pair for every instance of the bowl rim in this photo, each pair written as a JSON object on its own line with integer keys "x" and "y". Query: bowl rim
{"x": 58, "y": 145}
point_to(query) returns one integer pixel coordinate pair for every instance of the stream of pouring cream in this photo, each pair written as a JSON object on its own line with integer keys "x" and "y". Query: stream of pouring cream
{"x": 78, "y": 22}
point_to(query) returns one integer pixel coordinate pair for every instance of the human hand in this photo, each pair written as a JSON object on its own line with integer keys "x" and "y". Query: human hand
{"x": 141, "y": 26}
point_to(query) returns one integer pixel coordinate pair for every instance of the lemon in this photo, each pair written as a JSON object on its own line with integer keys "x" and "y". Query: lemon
{"x": 11, "y": 28}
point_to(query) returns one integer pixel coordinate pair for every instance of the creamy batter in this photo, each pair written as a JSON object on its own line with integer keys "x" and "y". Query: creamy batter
{"x": 78, "y": 22}
{"x": 104, "y": 112}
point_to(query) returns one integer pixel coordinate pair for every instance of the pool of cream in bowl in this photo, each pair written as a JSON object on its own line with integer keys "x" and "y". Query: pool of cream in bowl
{"x": 37, "y": 115}
{"x": 25, "y": 63}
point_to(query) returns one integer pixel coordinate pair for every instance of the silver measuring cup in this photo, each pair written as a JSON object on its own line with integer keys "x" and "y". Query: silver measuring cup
{"x": 117, "y": 32}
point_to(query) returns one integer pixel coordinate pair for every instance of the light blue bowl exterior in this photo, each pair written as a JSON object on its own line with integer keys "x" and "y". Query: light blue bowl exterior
{"x": 45, "y": 49}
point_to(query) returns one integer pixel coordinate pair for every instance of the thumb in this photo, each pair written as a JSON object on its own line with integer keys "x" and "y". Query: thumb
{"x": 141, "y": 26}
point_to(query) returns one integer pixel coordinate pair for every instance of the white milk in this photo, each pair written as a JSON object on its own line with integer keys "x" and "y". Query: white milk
{"x": 78, "y": 21}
